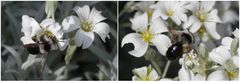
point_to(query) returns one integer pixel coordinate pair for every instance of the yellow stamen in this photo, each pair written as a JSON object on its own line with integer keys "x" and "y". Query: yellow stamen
{"x": 147, "y": 36}
{"x": 86, "y": 26}
{"x": 201, "y": 31}
{"x": 169, "y": 13}
{"x": 201, "y": 15}
{"x": 232, "y": 74}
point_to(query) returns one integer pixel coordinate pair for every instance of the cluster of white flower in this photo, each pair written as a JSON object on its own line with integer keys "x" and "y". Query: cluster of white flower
{"x": 49, "y": 34}
{"x": 86, "y": 23}
{"x": 153, "y": 20}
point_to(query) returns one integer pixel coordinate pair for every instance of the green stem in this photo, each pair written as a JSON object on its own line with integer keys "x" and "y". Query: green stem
{"x": 166, "y": 68}
{"x": 66, "y": 72}
{"x": 70, "y": 51}
{"x": 156, "y": 67}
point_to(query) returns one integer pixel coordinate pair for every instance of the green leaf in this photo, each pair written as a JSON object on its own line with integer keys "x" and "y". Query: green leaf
{"x": 14, "y": 54}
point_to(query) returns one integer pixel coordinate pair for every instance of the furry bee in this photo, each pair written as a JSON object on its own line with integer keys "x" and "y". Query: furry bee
{"x": 182, "y": 43}
{"x": 40, "y": 46}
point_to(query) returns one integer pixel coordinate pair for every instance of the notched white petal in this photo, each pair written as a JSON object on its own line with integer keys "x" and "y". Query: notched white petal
{"x": 88, "y": 39}
{"x": 140, "y": 23}
{"x": 71, "y": 23}
{"x": 140, "y": 47}
{"x": 95, "y": 16}
{"x": 102, "y": 29}
{"x": 162, "y": 43}
{"x": 47, "y": 22}
{"x": 82, "y": 12}
{"x": 211, "y": 29}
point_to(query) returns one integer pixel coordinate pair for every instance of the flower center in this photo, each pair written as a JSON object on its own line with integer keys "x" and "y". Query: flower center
{"x": 201, "y": 15}
{"x": 147, "y": 36}
{"x": 169, "y": 12}
{"x": 86, "y": 26}
{"x": 232, "y": 74}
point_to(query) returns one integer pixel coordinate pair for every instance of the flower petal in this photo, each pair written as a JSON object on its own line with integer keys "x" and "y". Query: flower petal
{"x": 142, "y": 71}
{"x": 82, "y": 12}
{"x": 144, "y": 6}
{"x": 207, "y": 5}
{"x": 192, "y": 6}
{"x": 220, "y": 55}
{"x": 102, "y": 29}
{"x": 218, "y": 75}
{"x": 63, "y": 44}
{"x": 162, "y": 43}
{"x": 70, "y": 23}
{"x": 78, "y": 38}
{"x": 236, "y": 60}
{"x": 195, "y": 27}
{"x": 88, "y": 39}
{"x": 184, "y": 74}
{"x": 160, "y": 13}
{"x": 192, "y": 19}
{"x": 213, "y": 17}
{"x": 158, "y": 26}
{"x": 47, "y": 22}
{"x": 153, "y": 76}
{"x": 176, "y": 19}
{"x": 140, "y": 23}
{"x": 140, "y": 47}
{"x": 36, "y": 29}
{"x": 227, "y": 41}
{"x": 95, "y": 16}
{"x": 27, "y": 40}
{"x": 211, "y": 29}
{"x": 26, "y": 27}
{"x": 182, "y": 16}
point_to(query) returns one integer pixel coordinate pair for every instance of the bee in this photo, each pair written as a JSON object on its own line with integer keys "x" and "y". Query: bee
{"x": 42, "y": 45}
{"x": 182, "y": 43}
{"x": 44, "y": 42}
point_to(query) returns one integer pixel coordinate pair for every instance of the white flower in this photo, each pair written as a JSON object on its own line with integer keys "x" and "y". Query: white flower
{"x": 48, "y": 27}
{"x": 203, "y": 16}
{"x": 87, "y": 23}
{"x": 148, "y": 33}
{"x": 171, "y": 9}
{"x": 227, "y": 60}
{"x": 50, "y": 8}
{"x": 145, "y": 6}
{"x": 145, "y": 74}
{"x": 185, "y": 74}
{"x": 189, "y": 60}
{"x": 218, "y": 75}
